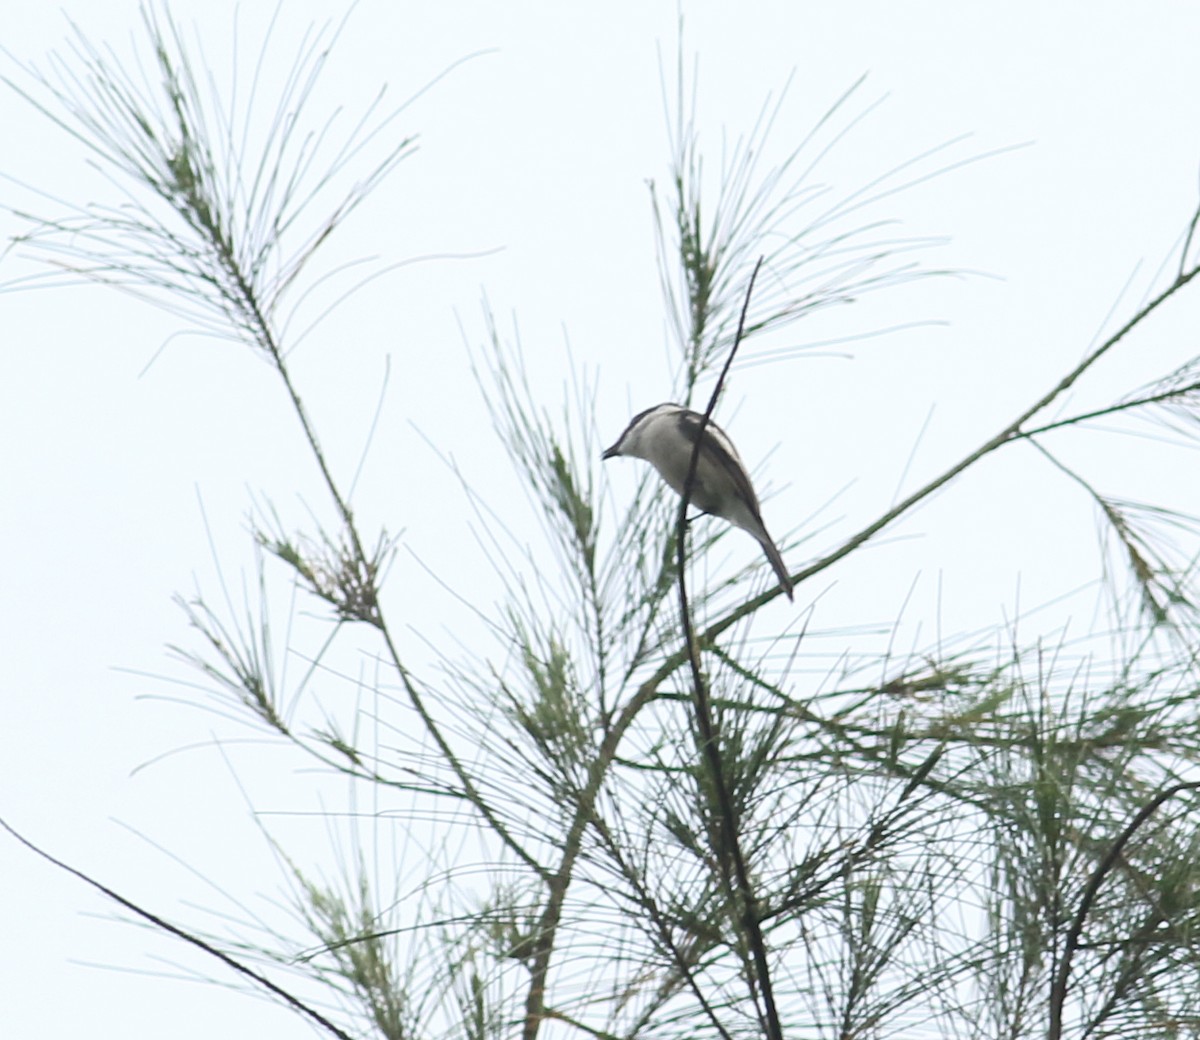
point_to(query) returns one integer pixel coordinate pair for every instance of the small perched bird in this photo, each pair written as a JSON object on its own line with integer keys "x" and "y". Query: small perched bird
{"x": 665, "y": 435}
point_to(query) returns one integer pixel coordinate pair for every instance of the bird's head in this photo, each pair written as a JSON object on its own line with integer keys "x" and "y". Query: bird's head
{"x": 633, "y": 440}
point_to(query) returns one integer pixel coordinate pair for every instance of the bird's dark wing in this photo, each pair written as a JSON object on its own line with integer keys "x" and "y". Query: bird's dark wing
{"x": 719, "y": 452}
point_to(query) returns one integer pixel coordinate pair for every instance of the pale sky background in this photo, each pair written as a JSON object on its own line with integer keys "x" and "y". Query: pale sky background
{"x": 540, "y": 148}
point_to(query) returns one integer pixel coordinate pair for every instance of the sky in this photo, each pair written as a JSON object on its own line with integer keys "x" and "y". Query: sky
{"x": 132, "y": 451}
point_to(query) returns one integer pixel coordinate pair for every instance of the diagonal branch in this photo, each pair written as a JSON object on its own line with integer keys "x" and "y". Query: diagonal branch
{"x": 1012, "y": 432}
{"x": 188, "y": 937}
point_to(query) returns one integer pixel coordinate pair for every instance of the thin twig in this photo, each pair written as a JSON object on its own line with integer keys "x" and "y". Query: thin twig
{"x": 732, "y": 853}
{"x": 1122, "y": 406}
{"x": 1058, "y": 991}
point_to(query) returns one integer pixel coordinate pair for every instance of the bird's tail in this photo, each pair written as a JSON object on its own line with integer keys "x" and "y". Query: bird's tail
{"x": 785, "y": 582}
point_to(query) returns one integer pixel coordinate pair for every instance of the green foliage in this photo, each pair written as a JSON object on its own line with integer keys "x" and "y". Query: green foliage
{"x": 928, "y": 843}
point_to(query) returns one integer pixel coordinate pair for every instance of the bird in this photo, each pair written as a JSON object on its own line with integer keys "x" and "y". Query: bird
{"x": 665, "y": 436}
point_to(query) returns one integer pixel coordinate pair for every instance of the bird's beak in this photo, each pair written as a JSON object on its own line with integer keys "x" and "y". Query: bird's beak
{"x": 612, "y": 452}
